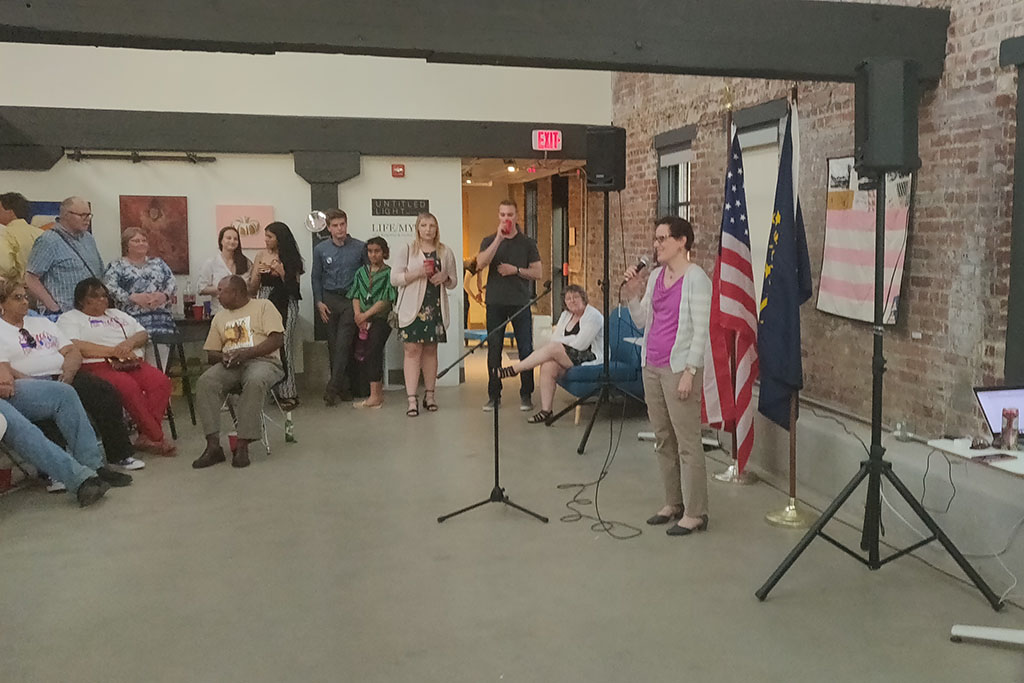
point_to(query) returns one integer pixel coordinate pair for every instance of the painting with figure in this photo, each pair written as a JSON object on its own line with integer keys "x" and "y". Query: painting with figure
{"x": 249, "y": 221}
{"x": 165, "y": 220}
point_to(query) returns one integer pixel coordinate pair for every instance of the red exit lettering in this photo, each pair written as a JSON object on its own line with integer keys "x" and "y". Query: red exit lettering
{"x": 547, "y": 140}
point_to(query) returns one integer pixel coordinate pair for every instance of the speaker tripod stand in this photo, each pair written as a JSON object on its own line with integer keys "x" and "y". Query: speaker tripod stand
{"x": 875, "y": 468}
{"x": 605, "y": 388}
{"x": 497, "y": 492}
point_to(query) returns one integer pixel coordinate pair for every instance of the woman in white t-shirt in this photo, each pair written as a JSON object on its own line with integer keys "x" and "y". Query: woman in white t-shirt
{"x": 112, "y": 345}
{"x": 36, "y": 348}
{"x": 228, "y": 261}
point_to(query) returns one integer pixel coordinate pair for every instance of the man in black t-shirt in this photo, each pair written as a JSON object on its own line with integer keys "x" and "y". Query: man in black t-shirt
{"x": 513, "y": 264}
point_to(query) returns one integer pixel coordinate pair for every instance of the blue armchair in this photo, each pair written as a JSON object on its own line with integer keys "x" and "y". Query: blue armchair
{"x": 623, "y": 361}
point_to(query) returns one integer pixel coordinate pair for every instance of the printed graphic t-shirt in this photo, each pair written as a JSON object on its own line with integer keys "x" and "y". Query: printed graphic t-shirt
{"x": 109, "y": 329}
{"x": 244, "y": 327}
{"x": 36, "y": 351}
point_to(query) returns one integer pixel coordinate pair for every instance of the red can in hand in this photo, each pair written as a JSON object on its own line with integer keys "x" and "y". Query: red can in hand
{"x": 1011, "y": 427}
{"x": 428, "y": 266}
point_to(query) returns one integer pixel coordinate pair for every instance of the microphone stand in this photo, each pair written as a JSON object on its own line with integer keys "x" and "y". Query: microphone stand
{"x": 497, "y": 493}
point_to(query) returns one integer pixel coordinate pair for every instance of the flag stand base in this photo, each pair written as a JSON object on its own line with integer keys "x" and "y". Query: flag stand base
{"x": 732, "y": 476}
{"x": 790, "y": 517}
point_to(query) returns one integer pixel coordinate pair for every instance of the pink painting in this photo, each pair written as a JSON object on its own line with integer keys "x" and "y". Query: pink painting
{"x": 248, "y": 220}
{"x": 165, "y": 220}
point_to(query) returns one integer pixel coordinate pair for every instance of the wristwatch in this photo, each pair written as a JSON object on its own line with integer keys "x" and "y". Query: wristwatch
{"x": 517, "y": 271}
{"x": 690, "y": 369}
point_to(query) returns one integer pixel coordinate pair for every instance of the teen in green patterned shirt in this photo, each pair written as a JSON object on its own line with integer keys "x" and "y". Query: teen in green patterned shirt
{"x": 372, "y": 297}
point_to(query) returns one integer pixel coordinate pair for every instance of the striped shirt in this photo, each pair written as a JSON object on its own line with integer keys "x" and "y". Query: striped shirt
{"x": 371, "y": 289}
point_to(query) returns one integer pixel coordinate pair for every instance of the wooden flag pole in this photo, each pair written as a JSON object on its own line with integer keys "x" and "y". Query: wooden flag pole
{"x": 732, "y": 474}
{"x": 792, "y": 516}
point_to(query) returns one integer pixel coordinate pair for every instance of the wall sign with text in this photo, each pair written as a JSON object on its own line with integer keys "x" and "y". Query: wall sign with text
{"x": 399, "y": 209}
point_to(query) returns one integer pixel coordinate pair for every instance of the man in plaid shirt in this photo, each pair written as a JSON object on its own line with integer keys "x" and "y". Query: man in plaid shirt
{"x": 63, "y": 257}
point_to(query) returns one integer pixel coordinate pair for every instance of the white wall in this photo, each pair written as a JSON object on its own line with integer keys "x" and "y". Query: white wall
{"x": 232, "y": 179}
{"x": 438, "y": 180}
{"x": 259, "y": 179}
{"x": 297, "y": 84}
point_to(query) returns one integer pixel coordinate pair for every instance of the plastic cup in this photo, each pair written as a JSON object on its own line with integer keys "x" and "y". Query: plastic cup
{"x": 233, "y": 441}
{"x": 5, "y": 479}
{"x": 428, "y": 266}
{"x": 197, "y": 312}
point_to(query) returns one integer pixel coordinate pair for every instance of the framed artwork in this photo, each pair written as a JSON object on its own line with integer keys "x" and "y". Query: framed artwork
{"x": 847, "y": 286}
{"x": 44, "y": 214}
{"x": 165, "y": 219}
{"x": 248, "y": 220}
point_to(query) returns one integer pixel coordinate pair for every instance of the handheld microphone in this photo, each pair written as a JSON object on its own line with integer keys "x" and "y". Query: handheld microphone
{"x": 640, "y": 265}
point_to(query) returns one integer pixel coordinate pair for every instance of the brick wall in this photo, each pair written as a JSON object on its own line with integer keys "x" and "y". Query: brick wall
{"x": 957, "y": 268}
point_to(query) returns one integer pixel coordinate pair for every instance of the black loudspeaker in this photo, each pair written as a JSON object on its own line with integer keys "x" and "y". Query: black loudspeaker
{"x": 606, "y": 158}
{"x": 885, "y": 129}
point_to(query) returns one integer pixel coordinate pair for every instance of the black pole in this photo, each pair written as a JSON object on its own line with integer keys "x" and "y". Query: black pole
{"x": 606, "y": 291}
{"x": 1013, "y": 365}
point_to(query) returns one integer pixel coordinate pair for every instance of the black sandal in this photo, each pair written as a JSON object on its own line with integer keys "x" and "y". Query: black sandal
{"x": 430, "y": 406}
{"x": 506, "y": 372}
{"x": 539, "y": 417}
{"x": 414, "y": 410}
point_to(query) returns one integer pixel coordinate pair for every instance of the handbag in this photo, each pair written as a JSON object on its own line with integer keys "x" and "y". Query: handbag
{"x": 125, "y": 365}
{"x": 128, "y": 365}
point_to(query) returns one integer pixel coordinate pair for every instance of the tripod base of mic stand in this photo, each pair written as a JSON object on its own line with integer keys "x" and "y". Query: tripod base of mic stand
{"x": 497, "y": 496}
{"x": 603, "y": 391}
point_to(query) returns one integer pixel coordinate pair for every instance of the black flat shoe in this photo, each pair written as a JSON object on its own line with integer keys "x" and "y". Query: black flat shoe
{"x": 113, "y": 478}
{"x": 664, "y": 519}
{"x": 676, "y": 530}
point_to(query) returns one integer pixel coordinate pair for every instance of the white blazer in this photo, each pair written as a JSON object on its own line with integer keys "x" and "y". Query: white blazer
{"x": 412, "y": 285}
{"x": 590, "y": 334}
{"x": 694, "y": 318}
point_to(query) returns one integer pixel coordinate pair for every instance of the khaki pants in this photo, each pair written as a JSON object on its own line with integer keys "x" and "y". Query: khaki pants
{"x": 677, "y": 430}
{"x": 254, "y": 378}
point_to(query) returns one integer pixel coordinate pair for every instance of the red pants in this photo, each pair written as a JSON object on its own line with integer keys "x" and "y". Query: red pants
{"x": 145, "y": 393}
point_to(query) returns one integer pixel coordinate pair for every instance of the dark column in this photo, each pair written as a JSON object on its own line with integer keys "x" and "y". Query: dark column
{"x": 1011, "y": 52}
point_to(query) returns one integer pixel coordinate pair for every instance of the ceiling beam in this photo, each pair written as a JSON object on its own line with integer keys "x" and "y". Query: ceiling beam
{"x": 783, "y": 39}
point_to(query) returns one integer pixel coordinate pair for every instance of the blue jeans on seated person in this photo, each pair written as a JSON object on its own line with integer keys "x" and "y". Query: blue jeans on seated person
{"x": 38, "y": 399}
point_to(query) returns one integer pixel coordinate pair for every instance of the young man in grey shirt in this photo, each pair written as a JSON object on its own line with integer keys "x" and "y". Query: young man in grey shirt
{"x": 335, "y": 262}
{"x": 513, "y": 264}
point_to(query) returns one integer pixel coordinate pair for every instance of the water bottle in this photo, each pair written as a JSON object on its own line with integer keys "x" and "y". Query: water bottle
{"x": 289, "y": 428}
{"x": 361, "y": 344}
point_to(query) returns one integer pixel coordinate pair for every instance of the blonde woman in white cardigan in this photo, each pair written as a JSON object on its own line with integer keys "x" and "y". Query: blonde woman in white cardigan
{"x": 420, "y": 271}
{"x": 675, "y": 313}
{"x": 577, "y": 339}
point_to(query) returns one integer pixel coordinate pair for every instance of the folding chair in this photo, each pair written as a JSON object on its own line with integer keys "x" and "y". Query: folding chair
{"x": 286, "y": 425}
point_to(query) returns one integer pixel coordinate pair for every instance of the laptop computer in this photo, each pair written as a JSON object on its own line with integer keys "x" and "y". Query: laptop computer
{"x": 992, "y": 401}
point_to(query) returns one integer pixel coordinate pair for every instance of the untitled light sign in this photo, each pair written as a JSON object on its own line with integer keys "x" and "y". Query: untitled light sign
{"x": 547, "y": 140}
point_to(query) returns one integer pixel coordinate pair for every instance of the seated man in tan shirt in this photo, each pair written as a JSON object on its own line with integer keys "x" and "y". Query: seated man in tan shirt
{"x": 243, "y": 348}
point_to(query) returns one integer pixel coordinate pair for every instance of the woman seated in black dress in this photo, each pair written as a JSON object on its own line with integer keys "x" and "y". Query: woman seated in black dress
{"x": 576, "y": 340}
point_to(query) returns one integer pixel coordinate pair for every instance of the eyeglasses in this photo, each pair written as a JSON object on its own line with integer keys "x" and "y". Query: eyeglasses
{"x": 27, "y": 340}
{"x": 80, "y": 215}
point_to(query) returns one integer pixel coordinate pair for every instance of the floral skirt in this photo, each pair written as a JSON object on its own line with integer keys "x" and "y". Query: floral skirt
{"x": 428, "y": 326}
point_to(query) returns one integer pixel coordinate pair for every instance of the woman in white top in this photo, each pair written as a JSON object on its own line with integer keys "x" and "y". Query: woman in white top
{"x": 675, "y": 313}
{"x": 576, "y": 340}
{"x": 112, "y": 345}
{"x": 420, "y": 272}
{"x": 229, "y": 260}
{"x": 37, "y": 349}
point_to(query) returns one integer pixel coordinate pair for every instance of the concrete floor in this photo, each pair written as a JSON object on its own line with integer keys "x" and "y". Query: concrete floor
{"x": 325, "y": 562}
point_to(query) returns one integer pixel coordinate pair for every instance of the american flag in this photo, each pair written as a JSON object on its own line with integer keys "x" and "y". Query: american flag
{"x": 733, "y": 333}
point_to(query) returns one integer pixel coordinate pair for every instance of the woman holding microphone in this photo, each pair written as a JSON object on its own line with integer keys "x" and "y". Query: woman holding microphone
{"x": 420, "y": 271}
{"x": 675, "y": 313}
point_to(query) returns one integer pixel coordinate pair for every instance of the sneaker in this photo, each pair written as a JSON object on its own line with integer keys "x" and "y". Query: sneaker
{"x": 91, "y": 490}
{"x": 55, "y": 487}
{"x": 491, "y": 405}
{"x": 113, "y": 477}
{"x": 130, "y": 464}
{"x": 525, "y": 404}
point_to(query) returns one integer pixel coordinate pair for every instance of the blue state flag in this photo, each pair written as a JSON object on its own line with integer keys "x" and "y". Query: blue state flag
{"x": 787, "y": 284}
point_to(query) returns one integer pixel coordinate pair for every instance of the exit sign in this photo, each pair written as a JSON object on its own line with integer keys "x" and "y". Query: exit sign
{"x": 547, "y": 140}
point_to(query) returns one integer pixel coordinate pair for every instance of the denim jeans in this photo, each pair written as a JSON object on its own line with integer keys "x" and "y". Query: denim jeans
{"x": 38, "y": 399}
